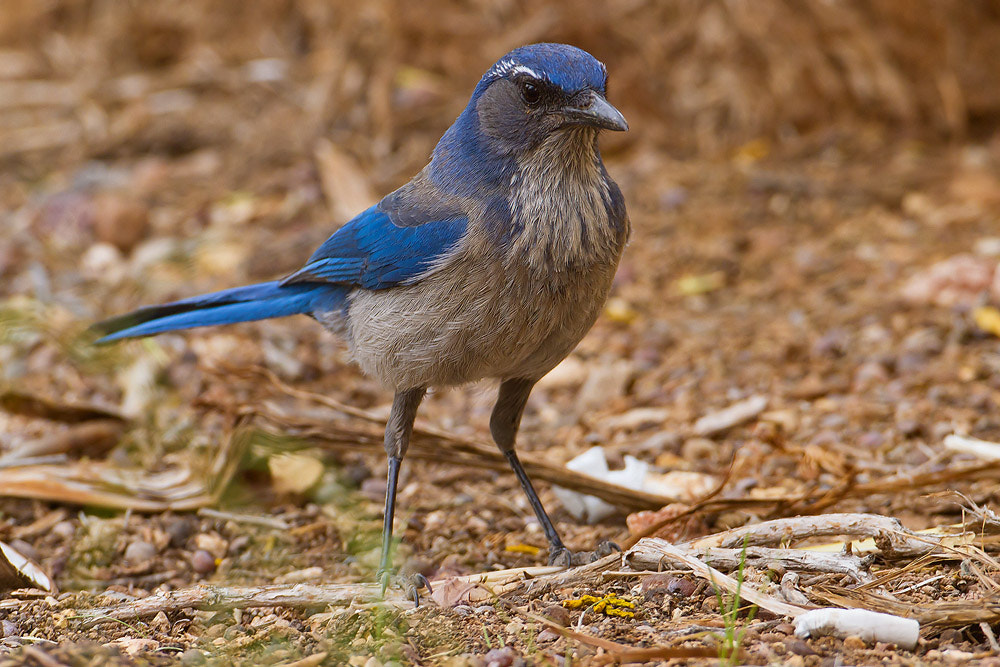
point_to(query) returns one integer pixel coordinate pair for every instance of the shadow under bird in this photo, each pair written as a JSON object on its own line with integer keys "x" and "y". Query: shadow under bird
{"x": 492, "y": 262}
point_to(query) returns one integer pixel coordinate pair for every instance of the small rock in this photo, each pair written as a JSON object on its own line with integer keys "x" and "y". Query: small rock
{"x": 192, "y": 656}
{"x": 202, "y": 562}
{"x": 102, "y": 261}
{"x": 854, "y": 643}
{"x": 799, "y": 647}
{"x": 133, "y": 646}
{"x": 547, "y": 635}
{"x": 950, "y": 636}
{"x": 120, "y": 221}
{"x": 711, "y": 604}
{"x": 9, "y": 629}
{"x": 557, "y": 614}
{"x": 139, "y": 551}
{"x": 795, "y": 661}
{"x": 180, "y": 528}
{"x": 64, "y": 530}
{"x": 954, "y": 655}
{"x": 212, "y": 543}
{"x": 373, "y": 662}
{"x": 500, "y": 657}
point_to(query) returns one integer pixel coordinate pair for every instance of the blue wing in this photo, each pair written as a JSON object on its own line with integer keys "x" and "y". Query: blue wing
{"x": 373, "y": 252}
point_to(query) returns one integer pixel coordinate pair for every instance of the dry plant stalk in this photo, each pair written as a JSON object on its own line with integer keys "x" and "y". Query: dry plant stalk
{"x": 654, "y": 553}
{"x": 796, "y": 560}
{"x": 891, "y": 538}
{"x": 298, "y": 596}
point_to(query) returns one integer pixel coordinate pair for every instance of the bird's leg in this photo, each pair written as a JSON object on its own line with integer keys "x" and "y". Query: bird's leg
{"x": 397, "y": 440}
{"x": 504, "y": 423}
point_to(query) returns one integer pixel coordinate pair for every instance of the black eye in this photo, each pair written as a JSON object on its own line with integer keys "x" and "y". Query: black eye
{"x": 530, "y": 93}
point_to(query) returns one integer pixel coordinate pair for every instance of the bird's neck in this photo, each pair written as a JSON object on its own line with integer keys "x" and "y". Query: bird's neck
{"x": 559, "y": 205}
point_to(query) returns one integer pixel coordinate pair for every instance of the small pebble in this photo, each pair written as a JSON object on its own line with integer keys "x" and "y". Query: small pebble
{"x": 120, "y": 221}
{"x": 799, "y": 647}
{"x": 64, "y": 530}
{"x": 202, "y": 562}
{"x": 854, "y": 643}
{"x": 139, "y": 552}
{"x": 547, "y": 635}
{"x": 212, "y": 543}
{"x": 179, "y": 529}
{"x": 500, "y": 657}
{"x": 557, "y": 614}
{"x": 9, "y": 629}
{"x": 192, "y": 656}
{"x": 681, "y": 587}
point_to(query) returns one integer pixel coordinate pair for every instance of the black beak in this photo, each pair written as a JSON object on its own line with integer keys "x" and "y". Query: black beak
{"x": 595, "y": 111}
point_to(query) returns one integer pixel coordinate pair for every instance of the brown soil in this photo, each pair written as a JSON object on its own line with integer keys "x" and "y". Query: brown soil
{"x": 770, "y": 265}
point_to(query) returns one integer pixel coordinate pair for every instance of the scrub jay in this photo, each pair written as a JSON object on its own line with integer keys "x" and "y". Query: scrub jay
{"x": 492, "y": 262}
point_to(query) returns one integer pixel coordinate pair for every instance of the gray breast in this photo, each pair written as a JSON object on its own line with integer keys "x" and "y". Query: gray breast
{"x": 501, "y": 312}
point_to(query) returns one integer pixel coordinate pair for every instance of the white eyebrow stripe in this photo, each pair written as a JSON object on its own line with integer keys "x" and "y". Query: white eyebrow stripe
{"x": 505, "y": 67}
{"x": 523, "y": 69}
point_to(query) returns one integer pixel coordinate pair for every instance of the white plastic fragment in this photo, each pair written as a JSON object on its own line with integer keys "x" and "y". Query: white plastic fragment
{"x": 871, "y": 626}
{"x": 594, "y": 464}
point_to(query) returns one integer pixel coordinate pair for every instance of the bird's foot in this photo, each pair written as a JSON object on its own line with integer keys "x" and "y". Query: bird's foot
{"x": 563, "y": 557}
{"x": 410, "y": 583}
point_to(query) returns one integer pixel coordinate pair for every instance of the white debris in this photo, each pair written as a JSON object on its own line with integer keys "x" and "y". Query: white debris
{"x": 594, "y": 464}
{"x": 871, "y": 626}
{"x": 734, "y": 415}
{"x": 984, "y": 449}
{"x": 17, "y": 571}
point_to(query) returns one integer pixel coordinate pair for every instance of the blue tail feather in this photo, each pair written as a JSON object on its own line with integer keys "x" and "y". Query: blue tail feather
{"x": 240, "y": 304}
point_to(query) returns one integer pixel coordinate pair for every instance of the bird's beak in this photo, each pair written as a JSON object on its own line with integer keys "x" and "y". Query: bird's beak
{"x": 596, "y": 111}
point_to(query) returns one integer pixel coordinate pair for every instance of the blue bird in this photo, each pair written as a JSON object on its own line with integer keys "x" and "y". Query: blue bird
{"x": 492, "y": 262}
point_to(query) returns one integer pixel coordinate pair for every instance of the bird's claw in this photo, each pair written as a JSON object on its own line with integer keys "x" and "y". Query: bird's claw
{"x": 563, "y": 557}
{"x": 410, "y": 583}
{"x": 605, "y": 548}
{"x": 560, "y": 556}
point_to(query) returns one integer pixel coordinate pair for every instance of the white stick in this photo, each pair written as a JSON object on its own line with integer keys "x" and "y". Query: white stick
{"x": 871, "y": 626}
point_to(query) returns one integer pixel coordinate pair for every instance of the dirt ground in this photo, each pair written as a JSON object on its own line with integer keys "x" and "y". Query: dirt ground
{"x": 805, "y": 268}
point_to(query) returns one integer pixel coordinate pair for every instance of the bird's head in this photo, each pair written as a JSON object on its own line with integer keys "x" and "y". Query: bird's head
{"x": 538, "y": 90}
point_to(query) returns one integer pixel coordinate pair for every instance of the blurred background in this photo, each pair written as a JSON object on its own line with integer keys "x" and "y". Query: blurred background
{"x": 815, "y": 201}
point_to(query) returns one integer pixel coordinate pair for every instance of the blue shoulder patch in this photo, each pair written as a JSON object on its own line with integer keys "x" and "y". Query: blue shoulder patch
{"x": 372, "y": 252}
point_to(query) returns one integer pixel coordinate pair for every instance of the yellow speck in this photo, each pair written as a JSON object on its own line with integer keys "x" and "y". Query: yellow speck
{"x": 522, "y": 549}
{"x": 752, "y": 151}
{"x": 619, "y": 310}
{"x": 701, "y": 284}
{"x": 987, "y": 318}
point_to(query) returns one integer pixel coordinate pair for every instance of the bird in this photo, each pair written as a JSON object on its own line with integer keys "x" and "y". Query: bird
{"x": 492, "y": 262}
